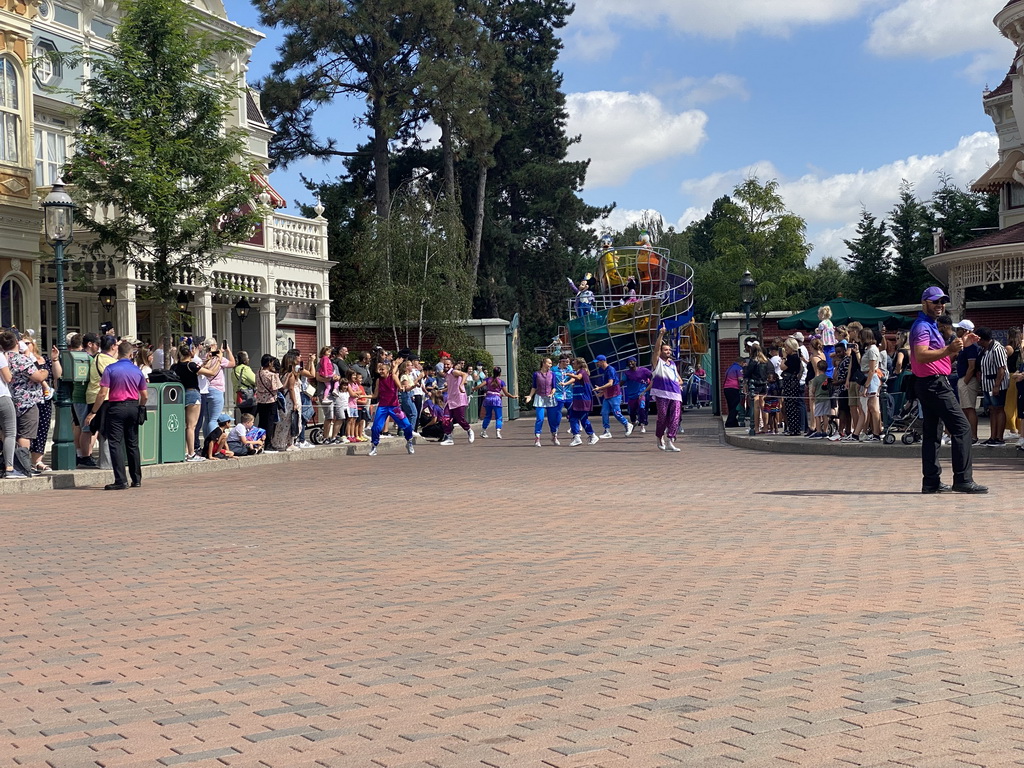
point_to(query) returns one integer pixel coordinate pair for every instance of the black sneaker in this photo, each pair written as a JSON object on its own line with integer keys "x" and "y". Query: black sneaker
{"x": 940, "y": 488}
{"x": 87, "y": 462}
{"x": 971, "y": 487}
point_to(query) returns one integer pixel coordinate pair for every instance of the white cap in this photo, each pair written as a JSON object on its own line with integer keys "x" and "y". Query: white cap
{"x": 798, "y": 336}
{"x": 967, "y": 325}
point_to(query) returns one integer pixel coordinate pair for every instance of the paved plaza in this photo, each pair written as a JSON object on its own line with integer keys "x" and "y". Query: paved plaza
{"x": 503, "y": 605}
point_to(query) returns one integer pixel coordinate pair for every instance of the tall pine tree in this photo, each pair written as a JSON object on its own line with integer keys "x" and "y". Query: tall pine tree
{"x": 870, "y": 261}
{"x": 912, "y": 242}
{"x": 537, "y": 231}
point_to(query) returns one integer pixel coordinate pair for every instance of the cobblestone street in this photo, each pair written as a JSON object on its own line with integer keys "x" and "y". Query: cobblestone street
{"x": 503, "y": 605}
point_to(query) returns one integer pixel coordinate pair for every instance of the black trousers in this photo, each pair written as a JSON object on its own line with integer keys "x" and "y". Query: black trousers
{"x": 122, "y": 430}
{"x": 940, "y": 406}
{"x": 266, "y": 412}
{"x": 732, "y": 399}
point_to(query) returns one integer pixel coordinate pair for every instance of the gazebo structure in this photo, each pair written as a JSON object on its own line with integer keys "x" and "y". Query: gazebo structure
{"x": 996, "y": 258}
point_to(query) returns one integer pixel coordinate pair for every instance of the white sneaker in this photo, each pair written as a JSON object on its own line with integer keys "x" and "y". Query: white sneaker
{"x": 472, "y": 436}
{"x": 629, "y": 430}
{"x": 554, "y": 439}
{"x": 497, "y": 434}
{"x": 661, "y": 443}
{"x": 593, "y": 439}
{"x": 305, "y": 444}
{"x": 606, "y": 436}
{"x": 576, "y": 440}
{"x": 834, "y": 438}
{"x": 672, "y": 447}
{"x": 536, "y": 441}
{"x": 410, "y": 446}
{"x": 196, "y": 457}
{"x": 946, "y": 440}
{"x": 448, "y": 441}
{"x": 483, "y": 434}
{"x": 373, "y": 450}
{"x": 643, "y": 430}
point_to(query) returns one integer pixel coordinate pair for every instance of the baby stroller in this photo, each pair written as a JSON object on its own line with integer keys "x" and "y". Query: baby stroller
{"x": 908, "y": 421}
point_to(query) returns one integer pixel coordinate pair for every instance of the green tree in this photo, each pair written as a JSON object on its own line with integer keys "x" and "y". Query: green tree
{"x": 828, "y": 280}
{"x": 751, "y": 230}
{"x": 961, "y": 215}
{"x": 870, "y": 261}
{"x": 367, "y": 48}
{"x": 158, "y": 178}
{"x": 415, "y": 268}
{"x": 538, "y": 229}
{"x": 912, "y": 242}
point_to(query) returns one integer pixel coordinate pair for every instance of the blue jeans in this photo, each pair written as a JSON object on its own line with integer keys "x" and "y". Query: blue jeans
{"x": 553, "y": 415}
{"x": 213, "y": 405}
{"x": 381, "y": 417}
{"x": 611, "y": 406}
{"x": 576, "y": 418}
{"x": 497, "y": 412}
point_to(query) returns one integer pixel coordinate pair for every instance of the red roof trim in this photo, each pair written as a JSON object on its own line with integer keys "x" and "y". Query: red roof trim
{"x": 275, "y": 198}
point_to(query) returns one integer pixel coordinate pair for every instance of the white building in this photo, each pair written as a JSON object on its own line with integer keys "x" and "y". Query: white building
{"x": 282, "y": 271}
{"x": 996, "y": 258}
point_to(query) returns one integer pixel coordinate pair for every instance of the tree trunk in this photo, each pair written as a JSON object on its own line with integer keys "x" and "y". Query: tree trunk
{"x": 381, "y": 165}
{"x": 478, "y": 218}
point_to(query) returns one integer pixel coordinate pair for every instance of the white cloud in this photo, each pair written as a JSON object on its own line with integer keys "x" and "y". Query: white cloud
{"x": 621, "y": 218}
{"x": 622, "y": 133}
{"x": 831, "y": 204}
{"x": 711, "y": 18}
{"x": 937, "y": 28}
{"x": 704, "y": 90}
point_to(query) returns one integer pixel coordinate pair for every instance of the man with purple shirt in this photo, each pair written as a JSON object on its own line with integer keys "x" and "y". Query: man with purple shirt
{"x": 930, "y": 361}
{"x": 607, "y": 380}
{"x": 125, "y": 387}
{"x": 638, "y": 383}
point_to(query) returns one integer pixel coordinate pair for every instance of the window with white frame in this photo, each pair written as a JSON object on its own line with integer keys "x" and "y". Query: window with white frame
{"x": 10, "y": 115}
{"x": 52, "y": 145}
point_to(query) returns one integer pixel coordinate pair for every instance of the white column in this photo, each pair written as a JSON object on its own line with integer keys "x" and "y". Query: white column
{"x": 125, "y": 311}
{"x": 323, "y": 325}
{"x": 202, "y": 311}
{"x": 958, "y": 299}
{"x": 268, "y": 328}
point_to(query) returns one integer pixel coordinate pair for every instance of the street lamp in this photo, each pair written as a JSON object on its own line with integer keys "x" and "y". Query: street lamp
{"x": 747, "y": 287}
{"x": 242, "y": 309}
{"x": 107, "y": 297}
{"x": 58, "y": 224}
{"x": 182, "y": 302}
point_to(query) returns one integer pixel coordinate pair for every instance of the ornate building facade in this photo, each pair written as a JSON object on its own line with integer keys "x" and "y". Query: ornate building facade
{"x": 996, "y": 258}
{"x": 282, "y": 271}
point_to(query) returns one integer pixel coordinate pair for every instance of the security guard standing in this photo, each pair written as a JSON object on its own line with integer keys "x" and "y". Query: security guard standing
{"x": 123, "y": 386}
{"x": 931, "y": 364}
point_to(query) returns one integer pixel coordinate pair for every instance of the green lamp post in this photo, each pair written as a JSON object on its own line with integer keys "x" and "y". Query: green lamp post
{"x": 58, "y": 223}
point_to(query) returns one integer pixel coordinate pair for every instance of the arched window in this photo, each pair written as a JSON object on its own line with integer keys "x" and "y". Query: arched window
{"x": 12, "y": 304}
{"x": 10, "y": 116}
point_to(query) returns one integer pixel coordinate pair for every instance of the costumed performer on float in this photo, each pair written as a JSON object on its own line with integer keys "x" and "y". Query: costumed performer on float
{"x": 584, "y": 296}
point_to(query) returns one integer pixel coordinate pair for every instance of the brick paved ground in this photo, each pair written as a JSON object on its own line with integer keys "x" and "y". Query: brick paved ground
{"x": 502, "y": 605}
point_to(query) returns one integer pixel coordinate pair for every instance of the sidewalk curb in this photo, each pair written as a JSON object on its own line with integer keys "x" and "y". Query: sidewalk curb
{"x": 738, "y": 438}
{"x": 97, "y": 478}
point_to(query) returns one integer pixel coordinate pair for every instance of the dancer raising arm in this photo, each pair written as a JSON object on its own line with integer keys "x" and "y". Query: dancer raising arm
{"x": 667, "y": 392}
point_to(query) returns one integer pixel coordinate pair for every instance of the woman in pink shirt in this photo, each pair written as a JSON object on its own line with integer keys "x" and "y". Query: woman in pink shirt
{"x": 458, "y": 399}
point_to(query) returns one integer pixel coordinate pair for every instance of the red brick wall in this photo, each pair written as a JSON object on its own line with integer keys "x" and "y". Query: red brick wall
{"x": 363, "y": 339}
{"x": 305, "y": 338}
{"x": 997, "y": 318}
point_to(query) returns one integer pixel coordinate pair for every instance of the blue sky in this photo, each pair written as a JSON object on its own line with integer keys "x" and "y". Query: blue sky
{"x": 676, "y": 101}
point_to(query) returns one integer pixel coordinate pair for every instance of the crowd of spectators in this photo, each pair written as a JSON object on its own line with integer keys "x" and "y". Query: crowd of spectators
{"x": 279, "y": 402}
{"x": 786, "y": 387}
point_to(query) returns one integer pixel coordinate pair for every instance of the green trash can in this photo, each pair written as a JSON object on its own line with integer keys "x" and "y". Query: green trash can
{"x": 166, "y": 418}
{"x": 149, "y": 433}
